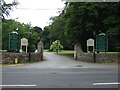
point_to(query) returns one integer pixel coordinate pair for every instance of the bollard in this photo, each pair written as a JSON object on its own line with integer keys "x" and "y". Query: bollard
{"x": 16, "y": 60}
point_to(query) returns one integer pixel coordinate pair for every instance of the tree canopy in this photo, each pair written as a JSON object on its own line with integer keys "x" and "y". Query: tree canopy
{"x": 80, "y": 21}
{"x": 23, "y": 30}
{"x": 9, "y": 25}
{"x": 56, "y": 46}
{"x": 6, "y": 8}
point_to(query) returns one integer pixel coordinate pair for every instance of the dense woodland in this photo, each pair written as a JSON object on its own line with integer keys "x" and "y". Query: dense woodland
{"x": 75, "y": 24}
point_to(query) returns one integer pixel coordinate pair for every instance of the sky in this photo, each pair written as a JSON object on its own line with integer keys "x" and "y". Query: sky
{"x": 36, "y": 12}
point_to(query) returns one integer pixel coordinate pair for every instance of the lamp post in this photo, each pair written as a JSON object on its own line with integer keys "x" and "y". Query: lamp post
{"x": 94, "y": 56}
{"x": 30, "y": 45}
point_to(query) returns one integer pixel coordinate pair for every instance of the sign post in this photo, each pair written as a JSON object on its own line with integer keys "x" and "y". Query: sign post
{"x": 14, "y": 41}
{"x": 90, "y": 42}
{"x": 102, "y": 42}
{"x": 24, "y": 42}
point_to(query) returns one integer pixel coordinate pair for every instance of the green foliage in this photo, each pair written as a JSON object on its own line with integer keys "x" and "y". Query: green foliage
{"x": 79, "y": 21}
{"x": 23, "y": 30}
{"x": 56, "y": 46}
{"x": 12, "y": 25}
{"x": 21, "y": 51}
{"x": 45, "y": 37}
{"x": 56, "y": 31}
{"x": 6, "y": 8}
{"x": 85, "y": 18}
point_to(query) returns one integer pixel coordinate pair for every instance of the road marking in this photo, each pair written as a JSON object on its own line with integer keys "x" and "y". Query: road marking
{"x": 80, "y": 67}
{"x": 116, "y": 83}
{"x": 71, "y": 67}
{"x": 18, "y": 85}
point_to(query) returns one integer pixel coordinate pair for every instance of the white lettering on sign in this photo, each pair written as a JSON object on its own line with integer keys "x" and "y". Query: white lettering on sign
{"x": 90, "y": 42}
{"x": 24, "y": 42}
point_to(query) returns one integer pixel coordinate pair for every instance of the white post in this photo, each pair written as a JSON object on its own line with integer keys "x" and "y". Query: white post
{"x": 21, "y": 47}
{"x": 87, "y": 49}
{"x": 26, "y": 49}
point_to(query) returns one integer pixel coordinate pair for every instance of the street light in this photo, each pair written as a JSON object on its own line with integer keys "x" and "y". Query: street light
{"x": 30, "y": 45}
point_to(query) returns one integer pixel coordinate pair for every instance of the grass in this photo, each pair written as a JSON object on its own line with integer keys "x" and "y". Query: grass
{"x": 72, "y": 51}
{"x": 26, "y": 62}
{"x": 68, "y": 53}
{"x": 45, "y": 50}
{"x": 21, "y": 63}
{"x": 62, "y": 51}
{"x": 110, "y": 52}
{"x": 5, "y": 64}
{"x": 3, "y": 50}
{"x": 8, "y": 65}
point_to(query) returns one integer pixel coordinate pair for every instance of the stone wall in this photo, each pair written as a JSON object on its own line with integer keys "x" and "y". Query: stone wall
{"x": 9, "y": 58}
{"x": 99, "y": 57}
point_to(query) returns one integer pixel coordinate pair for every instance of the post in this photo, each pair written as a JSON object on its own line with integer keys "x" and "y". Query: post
{"x": 26, "y": 49}
{"x": 29, "y": 57}
{"x": 21, "y": 48}
{"x": 57, "y": 47}
{"x": 30, "y": 45}
{"x": 75, "y": 52}
{"x": 93, "y": 48}
{"x": 94, "y": 55}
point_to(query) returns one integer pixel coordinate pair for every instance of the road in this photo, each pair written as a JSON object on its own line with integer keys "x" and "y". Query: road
{"x": 60, "y": 72}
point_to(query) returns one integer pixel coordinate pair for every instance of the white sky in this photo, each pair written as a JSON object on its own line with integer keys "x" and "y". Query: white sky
{"x": 39, "y": 17}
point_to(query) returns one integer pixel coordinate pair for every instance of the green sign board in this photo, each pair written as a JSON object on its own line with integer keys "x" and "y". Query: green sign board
{"x": 102, "y": 42}
{"x": 14, "y": 41}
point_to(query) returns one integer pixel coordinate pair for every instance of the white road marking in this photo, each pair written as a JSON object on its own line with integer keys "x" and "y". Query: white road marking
{"x": 18, "y": 85}
{"x": 80, "y": 67}
{"x": 115, "y": 83}
{"x": 71, "y": 67}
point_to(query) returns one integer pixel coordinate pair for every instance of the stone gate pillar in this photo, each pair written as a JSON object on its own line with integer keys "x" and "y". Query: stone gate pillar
{"x": 77, "y": 50}
{"x": 40, "y": 49}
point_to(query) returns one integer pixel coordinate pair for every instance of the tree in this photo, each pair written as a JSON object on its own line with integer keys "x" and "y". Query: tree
{"x": 56, "y": 46}
{"x": 6, "y": 8}
{"x": 23, "y": 30}
{"x": 78, "y": 22}
{"x": 37, "y": 29}
{"x": 82, "y": 19}
{"x": 45, "y": 37}
{"x": 57, "y": 31}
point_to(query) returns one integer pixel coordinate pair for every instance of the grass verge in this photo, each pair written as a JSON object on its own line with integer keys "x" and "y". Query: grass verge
{"x": 19, "y": 64}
